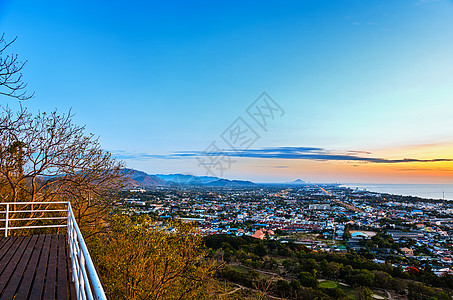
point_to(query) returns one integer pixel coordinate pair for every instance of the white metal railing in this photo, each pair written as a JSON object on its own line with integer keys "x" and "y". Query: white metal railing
{"x": 11, "y": 208}
{"x": 86, "y": 280}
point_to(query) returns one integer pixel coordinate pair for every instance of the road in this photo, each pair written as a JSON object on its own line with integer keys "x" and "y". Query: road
{"x": 348, "y": 206}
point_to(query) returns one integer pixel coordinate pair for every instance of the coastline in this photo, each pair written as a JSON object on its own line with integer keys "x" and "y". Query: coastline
{"x": 429, "y": 191}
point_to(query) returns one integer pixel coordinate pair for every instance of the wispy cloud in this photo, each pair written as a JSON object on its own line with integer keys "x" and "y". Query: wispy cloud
{"x": 437, "y": 170}
{"x": 292, "y": 153}
{"x": 354, "y": 21}
{"x": 121, "y": 154}
{"x": 274, "y": 167}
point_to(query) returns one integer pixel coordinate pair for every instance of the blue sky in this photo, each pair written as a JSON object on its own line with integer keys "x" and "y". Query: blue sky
{"x": 157, "y": 78}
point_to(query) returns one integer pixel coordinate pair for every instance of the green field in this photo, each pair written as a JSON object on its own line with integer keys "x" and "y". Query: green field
{"x": 328, "y": 284}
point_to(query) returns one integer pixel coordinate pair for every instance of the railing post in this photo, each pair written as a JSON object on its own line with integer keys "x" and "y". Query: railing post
{"x": 68, "y": 227}
{"x": 6, "y": 219}
{"x": 81, "y": 266}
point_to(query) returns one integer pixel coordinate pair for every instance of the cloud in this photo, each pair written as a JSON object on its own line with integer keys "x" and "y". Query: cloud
{"x": 311, "y": 153}
{"x": 121, "y": 154}
{"x": 426, "y": 170}
{"x": 291, "y": 153}
{"x": 275, "y": 167}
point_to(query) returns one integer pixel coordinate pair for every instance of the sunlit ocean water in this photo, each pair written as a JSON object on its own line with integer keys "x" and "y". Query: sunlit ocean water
{"x": 433, "y": 191}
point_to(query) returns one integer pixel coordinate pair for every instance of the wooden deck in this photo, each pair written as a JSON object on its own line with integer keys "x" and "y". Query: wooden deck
{"x": 35, "y": 267}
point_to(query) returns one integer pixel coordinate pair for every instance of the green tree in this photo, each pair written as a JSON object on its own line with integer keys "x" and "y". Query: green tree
{"x": 382, "y": 279}
{"x": 308, "y": 280}
{"x": 365, "y": 293}
{"x": 325, "y": 269}
{"x": 346, "y": 233}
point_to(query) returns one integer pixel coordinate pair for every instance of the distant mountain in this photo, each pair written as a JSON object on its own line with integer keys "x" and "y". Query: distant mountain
{"x": 297, "y": 181}
{"x": 187, "y": 179}
{"x": 180, "y": 179}
{"x": 141, "y": 179}
{"x": 230, "y": 183}
{"x": 144, "y": 180}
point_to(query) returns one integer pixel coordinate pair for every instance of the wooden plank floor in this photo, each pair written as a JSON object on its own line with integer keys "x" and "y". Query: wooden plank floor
{"x": 35, "y": 267}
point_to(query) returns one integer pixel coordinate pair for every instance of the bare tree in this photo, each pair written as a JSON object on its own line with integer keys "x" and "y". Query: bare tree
{"x": 262, "y": 287}
{"x": 11, "y": 83}
{"x": 140, "y": 259}
{"x": 45, "y": 157}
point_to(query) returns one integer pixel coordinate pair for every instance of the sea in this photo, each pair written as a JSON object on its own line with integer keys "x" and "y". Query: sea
{"x": 431, "y": 191}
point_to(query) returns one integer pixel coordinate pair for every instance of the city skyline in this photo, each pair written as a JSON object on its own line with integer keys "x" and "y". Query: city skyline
{"x": 364, "y": 89}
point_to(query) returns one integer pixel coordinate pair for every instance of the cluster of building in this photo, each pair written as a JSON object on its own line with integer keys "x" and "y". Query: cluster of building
{"x": 419, "y": 231}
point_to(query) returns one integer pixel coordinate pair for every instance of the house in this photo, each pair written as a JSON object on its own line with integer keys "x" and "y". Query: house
{"x": 397, "y": 234}
{"x": 259, "y": 234}
{"x": 319, "y": 207}
{"x": 446, "y": 260}
{"x": 407, "y": 251}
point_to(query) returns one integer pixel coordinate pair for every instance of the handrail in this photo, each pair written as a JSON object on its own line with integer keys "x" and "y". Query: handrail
{"x": 85, "y": 262}
{"x": 85, "y": 277}
{"x": 8, "y": 212}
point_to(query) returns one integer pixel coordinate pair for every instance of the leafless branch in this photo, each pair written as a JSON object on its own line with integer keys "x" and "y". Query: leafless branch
{"x": 46, "y": 157}
{"x": 11, "y": 83}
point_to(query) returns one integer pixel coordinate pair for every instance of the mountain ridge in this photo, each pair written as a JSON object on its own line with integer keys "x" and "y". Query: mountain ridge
{"x": 141, "y": 179}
